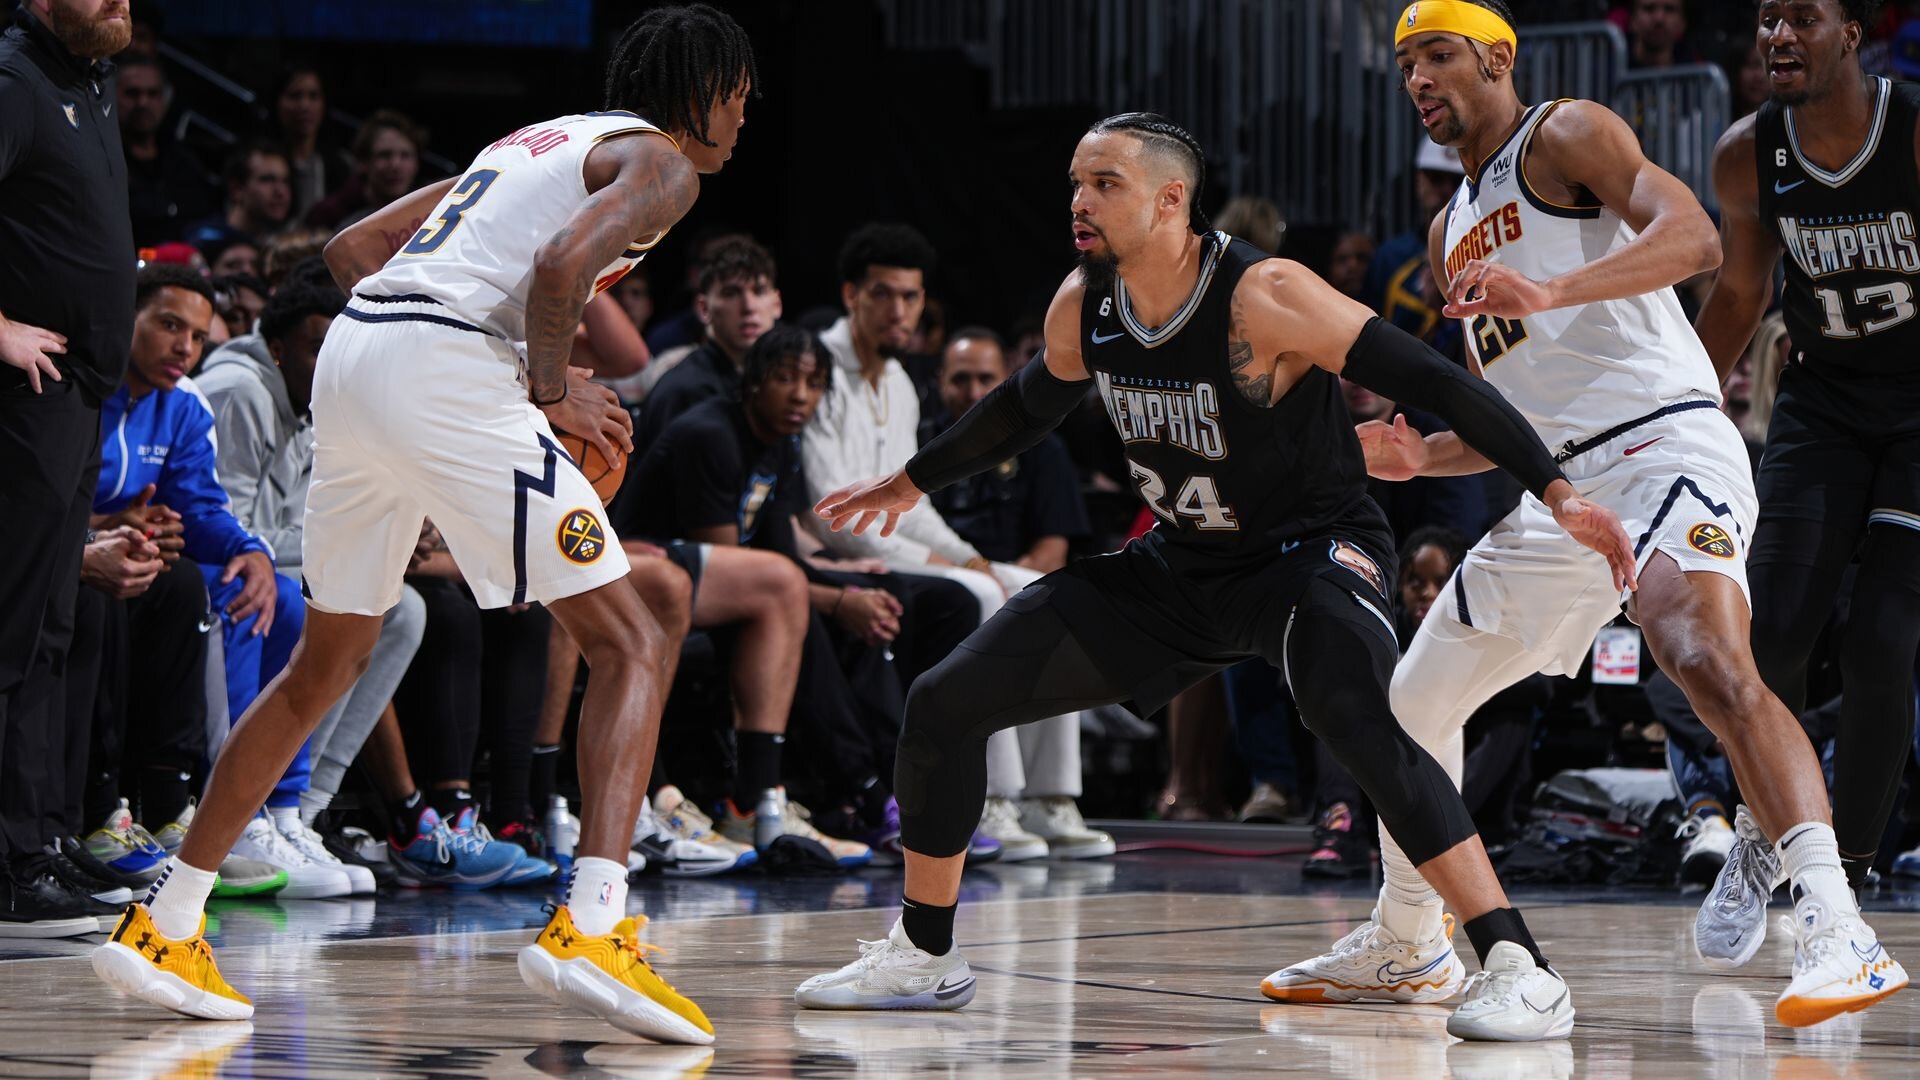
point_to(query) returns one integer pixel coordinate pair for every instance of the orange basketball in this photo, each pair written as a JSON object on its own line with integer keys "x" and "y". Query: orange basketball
{"x": 605, "y": 478}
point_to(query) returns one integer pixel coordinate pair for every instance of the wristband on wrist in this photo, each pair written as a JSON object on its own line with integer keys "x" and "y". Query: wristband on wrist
{"x": 544, "y": 404}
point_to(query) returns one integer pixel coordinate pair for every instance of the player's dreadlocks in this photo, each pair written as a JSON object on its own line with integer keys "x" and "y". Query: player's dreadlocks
{"x": 673, "y": 63}
{"x": 1165, "y": 136}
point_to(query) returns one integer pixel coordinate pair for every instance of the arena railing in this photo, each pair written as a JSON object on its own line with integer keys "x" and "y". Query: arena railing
{"x": 1679, "y": 113}
{"x": 1299, "y": 101}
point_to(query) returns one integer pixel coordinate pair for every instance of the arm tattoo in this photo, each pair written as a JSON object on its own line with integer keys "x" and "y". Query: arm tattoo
{"x": 1255, "y": 386}
{"x": 637, "y": 204}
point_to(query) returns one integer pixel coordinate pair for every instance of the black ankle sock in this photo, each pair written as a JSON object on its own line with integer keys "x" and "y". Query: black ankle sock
{"x": 449, "y": 803}
{"x": 872, "y": 801}
{"x": 164, "y": 792}
{"x": 1501, "y": 924}
{"x": 403, "y": 817}
{"x": 929, "y": 928}
{"x": 540, "y": 778}
{"x": 1857, "y": 868}
{"x": 759, "y": 765}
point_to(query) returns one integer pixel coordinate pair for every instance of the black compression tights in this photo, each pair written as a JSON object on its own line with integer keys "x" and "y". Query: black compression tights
{"x": 1023, "y": 666}
{"x": 1791, "y": 603}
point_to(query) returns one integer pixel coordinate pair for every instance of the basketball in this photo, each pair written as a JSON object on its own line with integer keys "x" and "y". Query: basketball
{"x": 604, "y": 477}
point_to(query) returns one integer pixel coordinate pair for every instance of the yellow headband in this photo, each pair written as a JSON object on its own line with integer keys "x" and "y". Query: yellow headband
{"x": 1454, "y": 17}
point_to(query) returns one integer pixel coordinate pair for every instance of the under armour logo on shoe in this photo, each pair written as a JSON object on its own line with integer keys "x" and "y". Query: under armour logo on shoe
{"x": 565, "y": 939}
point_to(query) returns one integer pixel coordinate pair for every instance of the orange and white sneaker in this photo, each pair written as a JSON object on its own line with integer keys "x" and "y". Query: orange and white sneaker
{"x": 176, "y": 975}
{"x": 1371, "y": 964}
{"x": 1839, "y": 966}
{"x": 608, "y": 976}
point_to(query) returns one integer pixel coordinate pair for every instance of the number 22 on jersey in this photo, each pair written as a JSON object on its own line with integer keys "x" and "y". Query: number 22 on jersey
{"x": 460, "y": 200}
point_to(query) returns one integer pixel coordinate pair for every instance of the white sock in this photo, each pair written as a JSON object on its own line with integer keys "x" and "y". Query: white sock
{"x": 286, "y": 819}
{"x": 178, "y": 897}
{"x": 1811, "y": 857}
{"x": 1409, "y": 908}
{"x": 313, "y": 803}
{"x": 597, "y": 895}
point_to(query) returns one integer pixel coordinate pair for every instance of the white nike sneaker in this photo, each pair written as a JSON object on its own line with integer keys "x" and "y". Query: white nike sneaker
{"x": 1732, "y": 923}
{"x": 1839, "y": 966}
{"x": 1707, "y": 840}
{"x": 1056, "y": 819}
{"x": 306, "y": 879}
{"x": 1371, "y": 964}
{"x": 1512, "y": 999}
{"x": 1000, "y": 819}
{"x": 891, "y": 974}
{"x": 676, "y": 855}
{"x": 307, "y": 842}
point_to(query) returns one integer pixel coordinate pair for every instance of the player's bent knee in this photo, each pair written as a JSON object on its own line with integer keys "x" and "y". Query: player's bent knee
{"x": 667, "y": 592}
{"x": 1729, "y": 700}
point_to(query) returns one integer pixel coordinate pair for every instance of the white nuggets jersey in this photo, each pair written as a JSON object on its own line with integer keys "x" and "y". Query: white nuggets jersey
{"x": 1572, "y": 372}
{"x": 476, "y": 252}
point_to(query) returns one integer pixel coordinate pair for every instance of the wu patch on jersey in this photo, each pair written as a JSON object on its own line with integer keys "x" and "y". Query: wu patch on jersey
{"x": 413, "y": 418}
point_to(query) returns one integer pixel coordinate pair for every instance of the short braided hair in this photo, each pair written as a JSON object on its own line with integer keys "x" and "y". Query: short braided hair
{"x": 1164, "y": 136}
{"x": 674, "y": 63}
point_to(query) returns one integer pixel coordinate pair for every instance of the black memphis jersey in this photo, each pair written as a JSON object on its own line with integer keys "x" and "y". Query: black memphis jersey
{"x": 1226, "y": 478}
{"x": 1852, "y": 238}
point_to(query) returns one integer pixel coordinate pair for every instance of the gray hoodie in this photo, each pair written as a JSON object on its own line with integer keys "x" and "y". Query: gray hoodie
{"x": 265, "y": 451}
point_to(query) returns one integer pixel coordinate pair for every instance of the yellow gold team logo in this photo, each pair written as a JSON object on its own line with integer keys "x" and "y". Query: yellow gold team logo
{"x": 1710, "y": 539}
{"x": 581, "y": 537}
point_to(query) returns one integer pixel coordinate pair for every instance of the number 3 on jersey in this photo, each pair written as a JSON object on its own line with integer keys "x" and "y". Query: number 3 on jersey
{"x": 459, "y": 201}
{"x": 1199, "y": 499}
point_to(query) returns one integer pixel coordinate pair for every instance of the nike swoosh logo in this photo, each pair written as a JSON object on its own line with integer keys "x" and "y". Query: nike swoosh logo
{"x": 1390, "y": 974}
{"x": 945, "y": 992}
{"x": 1098, "y": 340}
{"x": 1782, "y": 189}
{"x": 1632, "y": 450}
{"x": 1548, "y": 1009}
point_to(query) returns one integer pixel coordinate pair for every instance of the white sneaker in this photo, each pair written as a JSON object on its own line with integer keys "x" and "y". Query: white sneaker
{"x": 1057, "y": 820}
{"x": 655, "y": 842}
{"x": 892, "y": 974}
{"x": 307, "y": 842}
{"x": 306, "y": 879}
{"x": 1732, "y": 922}
{"x": 1707, "y": 840}
{"x": 1000, "y": 819}
{"x": 1371, "y": 964}
{"x": 1512, "y": 999}
{"x": 1839, "y": 966}
{"x": 794, "y": 820}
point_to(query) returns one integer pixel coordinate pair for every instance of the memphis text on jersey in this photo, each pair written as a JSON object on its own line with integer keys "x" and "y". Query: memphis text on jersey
{"x": 1494, "y": 231}
{"x": 1834, "y": 245}
{"x": 1184, "y": 414}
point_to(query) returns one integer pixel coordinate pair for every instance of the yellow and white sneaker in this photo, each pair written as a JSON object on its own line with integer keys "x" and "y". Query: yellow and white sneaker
{"x": 1839, "y": 966}
{"x": 1371, "y": 964}
{"x": 176, "y": 975}
{"x": 608, "y": 976}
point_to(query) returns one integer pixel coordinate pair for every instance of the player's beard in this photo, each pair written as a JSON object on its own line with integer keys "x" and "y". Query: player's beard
{"x": 1097, "y": 271}
{"x": 92, "y": 37}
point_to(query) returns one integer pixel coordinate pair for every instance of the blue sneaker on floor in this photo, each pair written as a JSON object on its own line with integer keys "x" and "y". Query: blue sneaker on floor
{"x": 449, "y": 857}
{"x": 1907, "y": 864}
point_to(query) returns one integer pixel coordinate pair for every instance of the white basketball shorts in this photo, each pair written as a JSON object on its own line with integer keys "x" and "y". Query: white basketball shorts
{"x": 1680, "y": 484}
{"x": 418, "y": 415}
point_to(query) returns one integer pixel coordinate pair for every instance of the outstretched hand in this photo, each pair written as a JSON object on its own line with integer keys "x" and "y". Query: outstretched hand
{"x": 1394, "y": 451}
{"x": 1596, "y": 527}
{"x": 861, "y": 503}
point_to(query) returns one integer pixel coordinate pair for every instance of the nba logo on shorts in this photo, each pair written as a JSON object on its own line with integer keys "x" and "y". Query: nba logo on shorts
{"x": 581, "y": 539}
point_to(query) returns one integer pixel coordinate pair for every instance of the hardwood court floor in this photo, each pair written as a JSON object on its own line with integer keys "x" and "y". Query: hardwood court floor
{"x": 1148, "y": 965}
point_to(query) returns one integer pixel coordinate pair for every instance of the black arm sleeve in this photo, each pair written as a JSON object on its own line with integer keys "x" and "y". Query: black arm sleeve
{"x": 1016, "y": 415}
{"x": 1395, "y": 365}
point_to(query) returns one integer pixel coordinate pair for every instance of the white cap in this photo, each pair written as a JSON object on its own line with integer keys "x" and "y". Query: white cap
{"x": 1436, "y": 158}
